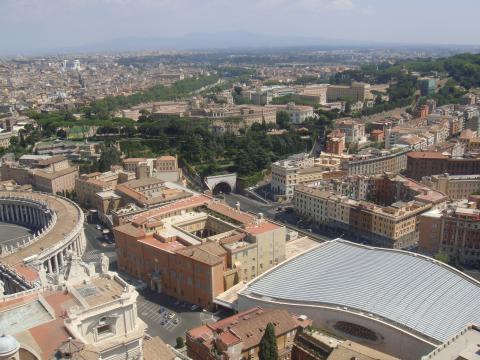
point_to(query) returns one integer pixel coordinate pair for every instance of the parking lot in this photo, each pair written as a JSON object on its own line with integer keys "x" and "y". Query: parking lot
{"x": 168, "y": 318}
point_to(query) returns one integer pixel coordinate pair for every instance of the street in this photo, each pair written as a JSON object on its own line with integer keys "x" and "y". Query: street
{"x": 167, "y": 318}
{"x": 96, "y": 245}
{"x": 287, "y": 217}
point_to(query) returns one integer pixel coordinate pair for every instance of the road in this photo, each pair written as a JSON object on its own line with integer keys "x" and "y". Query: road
{"x": 96, "y": 245}
{"x": 288, "y": 218}
{"x": 153, "y": 309}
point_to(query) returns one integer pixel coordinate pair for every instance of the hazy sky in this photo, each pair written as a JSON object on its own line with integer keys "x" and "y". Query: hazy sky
{"x": 28, "y": 24}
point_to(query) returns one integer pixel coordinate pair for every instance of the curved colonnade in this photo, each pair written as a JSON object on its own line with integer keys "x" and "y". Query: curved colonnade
{"x": 57, "y": 224}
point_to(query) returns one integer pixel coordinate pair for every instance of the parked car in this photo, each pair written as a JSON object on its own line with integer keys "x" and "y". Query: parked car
{"x": 194, "y": 307}
{"x": 98, "y": 227}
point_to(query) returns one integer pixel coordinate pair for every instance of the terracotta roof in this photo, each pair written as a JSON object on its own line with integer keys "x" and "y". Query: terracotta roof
{"x": 55, "y": 174}
{"x": 51, "y": 160}
{"x": 134, "y": 160}
{"x": 171, "y": 246}
{"x": 156, "y": 349}
{"x": 167, "y": 158}
{"x": 207, "y": 254}
{"x": 130, "y": 230}
{"x": 143, "y": 182}
{"x": 247, "y": 327}
{"x": 426, "y": 155}
{"x": 188, "y": 203}
{"x": 232, "y": 213}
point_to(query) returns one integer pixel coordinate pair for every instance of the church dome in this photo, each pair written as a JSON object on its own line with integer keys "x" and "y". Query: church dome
{"x": 8, "y": 345}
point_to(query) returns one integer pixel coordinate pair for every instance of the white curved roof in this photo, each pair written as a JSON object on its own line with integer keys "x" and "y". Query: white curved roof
{"x": 413, "y": 291}
{"x": 8, "y": 345}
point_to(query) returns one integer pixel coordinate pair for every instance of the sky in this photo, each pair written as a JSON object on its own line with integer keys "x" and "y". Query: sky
{"x": 50, "y": 24}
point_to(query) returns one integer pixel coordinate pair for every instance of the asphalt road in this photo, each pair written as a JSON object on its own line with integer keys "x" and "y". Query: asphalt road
{"x": 97, "y": 245}
{"x": 153, "y": 309}
{"x": 288, "y": 218}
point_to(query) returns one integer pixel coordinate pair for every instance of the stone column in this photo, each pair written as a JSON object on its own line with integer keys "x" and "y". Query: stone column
{"x": 49, "y": 266}
{"x": 55, "y": 263}
{"x": 60, "y": 258}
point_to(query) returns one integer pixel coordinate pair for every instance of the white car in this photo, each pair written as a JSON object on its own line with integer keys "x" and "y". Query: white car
{"x": 98, "y": 227}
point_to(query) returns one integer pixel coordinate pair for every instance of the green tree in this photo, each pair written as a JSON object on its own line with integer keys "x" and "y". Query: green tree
{"x": 108, "y": 157}
{"x": 180, "y": 343}
{"x": 268, "y": 344}
{"x": 441, "y": 256}
{"x": 348, "y": 107}
{"x": 283, "y": 120}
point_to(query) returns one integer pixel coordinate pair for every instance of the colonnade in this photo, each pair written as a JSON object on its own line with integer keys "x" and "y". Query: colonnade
{"x": 25, "y": 214}
{"x": 58, "y": 259}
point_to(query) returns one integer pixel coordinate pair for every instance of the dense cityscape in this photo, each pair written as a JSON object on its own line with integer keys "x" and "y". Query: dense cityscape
{"x": 231, "y": 202}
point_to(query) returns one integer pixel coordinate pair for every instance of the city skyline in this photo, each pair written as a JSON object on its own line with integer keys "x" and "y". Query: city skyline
{"x": 87, "y": 25}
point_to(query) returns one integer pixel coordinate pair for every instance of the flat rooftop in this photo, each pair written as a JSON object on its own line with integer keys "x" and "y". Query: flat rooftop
{"x": 409, "y": 290}
{"x": 24, "y": 317}
{"x": 99, "y": 291}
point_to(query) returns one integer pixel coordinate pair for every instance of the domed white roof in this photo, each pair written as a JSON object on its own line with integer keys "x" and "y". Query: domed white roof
{"x": 8, "y": 345}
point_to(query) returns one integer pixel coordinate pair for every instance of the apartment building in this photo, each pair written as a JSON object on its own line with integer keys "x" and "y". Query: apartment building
{"x": 354, "y": 131}
{"x": 5, "y": 138}
{"x": 238, "y": 337}
{"x": 456, "y": 187}
{"x": 355, "y": 92}
{"x": 377, "y": 162}
{"x": 454, "y": 231}
{"x": 301, "y": 168}
{"x": 426, "y": 163}
{"x": 335, "y": 143}
{"x": 393, "y": 226}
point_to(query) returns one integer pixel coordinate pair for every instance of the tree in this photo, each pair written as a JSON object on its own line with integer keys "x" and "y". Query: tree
{"x": 109, "y": 156}
{"x": 283, "y": 120}
{"x": 268, "y": 344}
{"x": 180, "y": 343}
{"x": 61, "y": 133}
{"x": 443, "y": 257}
{"x": 348, "y": 107}
{"x": 13, "y": 141}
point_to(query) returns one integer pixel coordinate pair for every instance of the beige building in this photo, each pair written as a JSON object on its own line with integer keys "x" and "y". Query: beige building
{"x": 52, "y": 174}
{"x": 355, "y": 92}
{"x": 379, "y": 162}
{"x": 297, "y": 113}
{"x": 5, "y": 139}
{"x": 301, "y": 168}
{"x": 456, "y": 187}
{"x": 392, "y": 226}
{"x": 88, "y": 185}
{"x": 164, "y": 168}
{"x": 353, "y": 130}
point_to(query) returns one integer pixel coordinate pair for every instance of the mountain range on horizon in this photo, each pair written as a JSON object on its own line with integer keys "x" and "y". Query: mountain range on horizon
{"x": 214, "y": 41}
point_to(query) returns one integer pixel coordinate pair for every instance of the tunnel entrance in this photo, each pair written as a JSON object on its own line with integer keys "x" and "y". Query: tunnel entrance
{"x": 222, "y": 188}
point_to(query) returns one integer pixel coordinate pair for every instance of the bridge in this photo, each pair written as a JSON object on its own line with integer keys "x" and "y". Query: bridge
{"x": 225, "y": 183}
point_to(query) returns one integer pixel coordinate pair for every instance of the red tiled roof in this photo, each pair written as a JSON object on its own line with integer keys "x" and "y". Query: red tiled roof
{"x": 426, "y": 155}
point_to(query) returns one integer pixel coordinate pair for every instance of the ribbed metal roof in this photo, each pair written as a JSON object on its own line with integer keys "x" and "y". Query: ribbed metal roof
{"x": 412, "y": 291}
